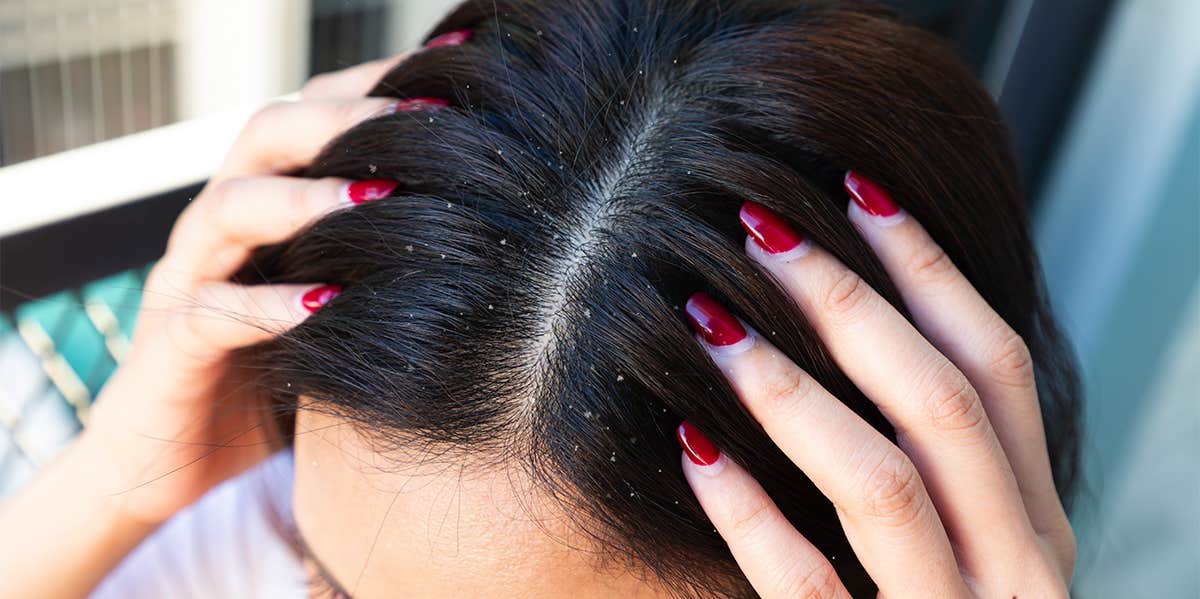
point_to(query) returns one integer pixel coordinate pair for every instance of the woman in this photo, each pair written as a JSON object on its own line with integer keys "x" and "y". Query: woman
{"x": 472, "y": 321}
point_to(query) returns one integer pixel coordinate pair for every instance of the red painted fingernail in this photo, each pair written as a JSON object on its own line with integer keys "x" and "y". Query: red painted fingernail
{"x": 314, "y": 299}
{"x": 768, "y": 229}
{"x": 872, "y": 198}
{"x": 699, "y": 449}
{"x": 453, "y": 38}
{"x": 369, "y": 190}
{"x": 414, "y": 104}
{"x": 713, "y": 321}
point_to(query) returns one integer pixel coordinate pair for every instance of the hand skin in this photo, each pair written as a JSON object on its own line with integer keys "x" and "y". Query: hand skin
{"x": 174, "y": 420}
{"x": 964, "y": 505}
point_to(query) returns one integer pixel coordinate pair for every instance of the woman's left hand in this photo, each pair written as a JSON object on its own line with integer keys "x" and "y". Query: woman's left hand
{"x": 964, "y": 505}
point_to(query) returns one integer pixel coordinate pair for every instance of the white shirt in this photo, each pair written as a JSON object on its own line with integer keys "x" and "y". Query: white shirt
{"x": 226, "y": 545}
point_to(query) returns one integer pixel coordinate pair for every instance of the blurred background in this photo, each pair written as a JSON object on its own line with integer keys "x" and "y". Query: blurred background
{"x": 113, "y": 112}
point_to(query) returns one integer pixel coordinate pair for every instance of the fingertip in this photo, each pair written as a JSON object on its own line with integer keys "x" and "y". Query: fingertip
{"x": 713, "y": 321}
{"x": 870, "y": 203}
{"x": 705, "y": 471}
{"x": 363, "y": 191}
{"x": 769, "y": 260}
{"x": 315, "y": 298}
{"x": 450, "y": 39}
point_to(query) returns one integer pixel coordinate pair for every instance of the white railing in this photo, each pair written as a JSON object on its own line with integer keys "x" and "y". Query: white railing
{"x": 72, "y": 183}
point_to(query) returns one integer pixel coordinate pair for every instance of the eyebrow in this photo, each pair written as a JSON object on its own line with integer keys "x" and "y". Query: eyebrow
{"x": 322, "y": 571}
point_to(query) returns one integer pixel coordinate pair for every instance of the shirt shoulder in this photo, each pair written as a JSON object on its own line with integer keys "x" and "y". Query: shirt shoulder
{"x": 230, "y": 543}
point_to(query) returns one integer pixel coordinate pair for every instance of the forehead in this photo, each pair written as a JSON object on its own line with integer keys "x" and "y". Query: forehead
{"x": 429, "y": 524}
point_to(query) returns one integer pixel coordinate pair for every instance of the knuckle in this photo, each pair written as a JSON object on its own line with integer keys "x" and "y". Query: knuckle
{"x": 221, "y": 215}
{"x": 184, "y": 231}
{"x": 892, "y": 490}
{"x": 1061, "y": 590}
{"x": 928, "y": 262}
{"x": 207, "y": 298}
{"x": 847, "y": 295}
{"x": 344, "y": 115}
{"x": 952, "y": 403}
{"x": 1061, "y": 538}
{"x": 811, "y": 581}
{"x": 216, "y": 201}
{"x": 262, "y": 118}
{"x": 1043, "y": 577}
{"x": 348, "y": 114}
{"x": 156, "y": 281}
{"x": 1010, "y": 363}
{"x": 750, "y": 521}
{"x": 787, "y": 390}
{"x": 1068, "y": 552}
{"x": 183, "y": 333}
{"x": 315, "y": 85}
{"x": 314, "y": 199}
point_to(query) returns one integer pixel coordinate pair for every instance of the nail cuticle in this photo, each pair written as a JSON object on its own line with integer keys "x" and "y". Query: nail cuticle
{"x": 793, "y": 255}
{"x": 880, "y": 221}
{"x": 740, "y": 347}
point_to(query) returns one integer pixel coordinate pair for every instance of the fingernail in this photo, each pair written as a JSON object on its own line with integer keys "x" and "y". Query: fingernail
{"x": 768, "y": 229}
{"x": 415, "y": 104}
{"x": 314, "y": 299}
{"x": 869, "y": 196}
{"x": 714, "y": 323}
{"x": 453, "y": 38}
{"x": 391, "y": 108}
{"x": 369, "y": 190}
{"x": 699, "y": 449}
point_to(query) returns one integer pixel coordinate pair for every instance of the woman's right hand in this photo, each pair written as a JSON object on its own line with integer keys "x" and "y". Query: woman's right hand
{"x": 175, "y": 419}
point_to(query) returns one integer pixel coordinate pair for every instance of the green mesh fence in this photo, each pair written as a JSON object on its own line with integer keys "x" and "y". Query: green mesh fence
{"x": 55, "y": 355}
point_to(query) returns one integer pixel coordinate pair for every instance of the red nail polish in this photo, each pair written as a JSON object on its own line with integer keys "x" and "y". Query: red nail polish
{"x": 453, "y": 38}
{"x": 768, "y": 229}
{"x": 872, "y": 198}
{"x": 369, "y": 190}
{"x": 415, "y": 104}
{"x": 699, "y": 449}
{"x": 314, "y": 299}
{"x": 714, "y": 323}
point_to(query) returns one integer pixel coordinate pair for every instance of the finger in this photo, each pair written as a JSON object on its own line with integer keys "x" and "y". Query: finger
{"x": 881, "y": 500}
{"x": 939, "y": 420}
{"x": 287, "y": 135}
{"x": 231, "y": 217}
{"x": 351, "y": 82}
{"x": 226, "y": 316}
{"x": 359, "y": 80}
{"x": 777, "y": 560}
{"x": 960, "y": 323}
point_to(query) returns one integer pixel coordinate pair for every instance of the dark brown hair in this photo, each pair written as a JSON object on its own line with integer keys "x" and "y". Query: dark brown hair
{"x": 521, "y": 292}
